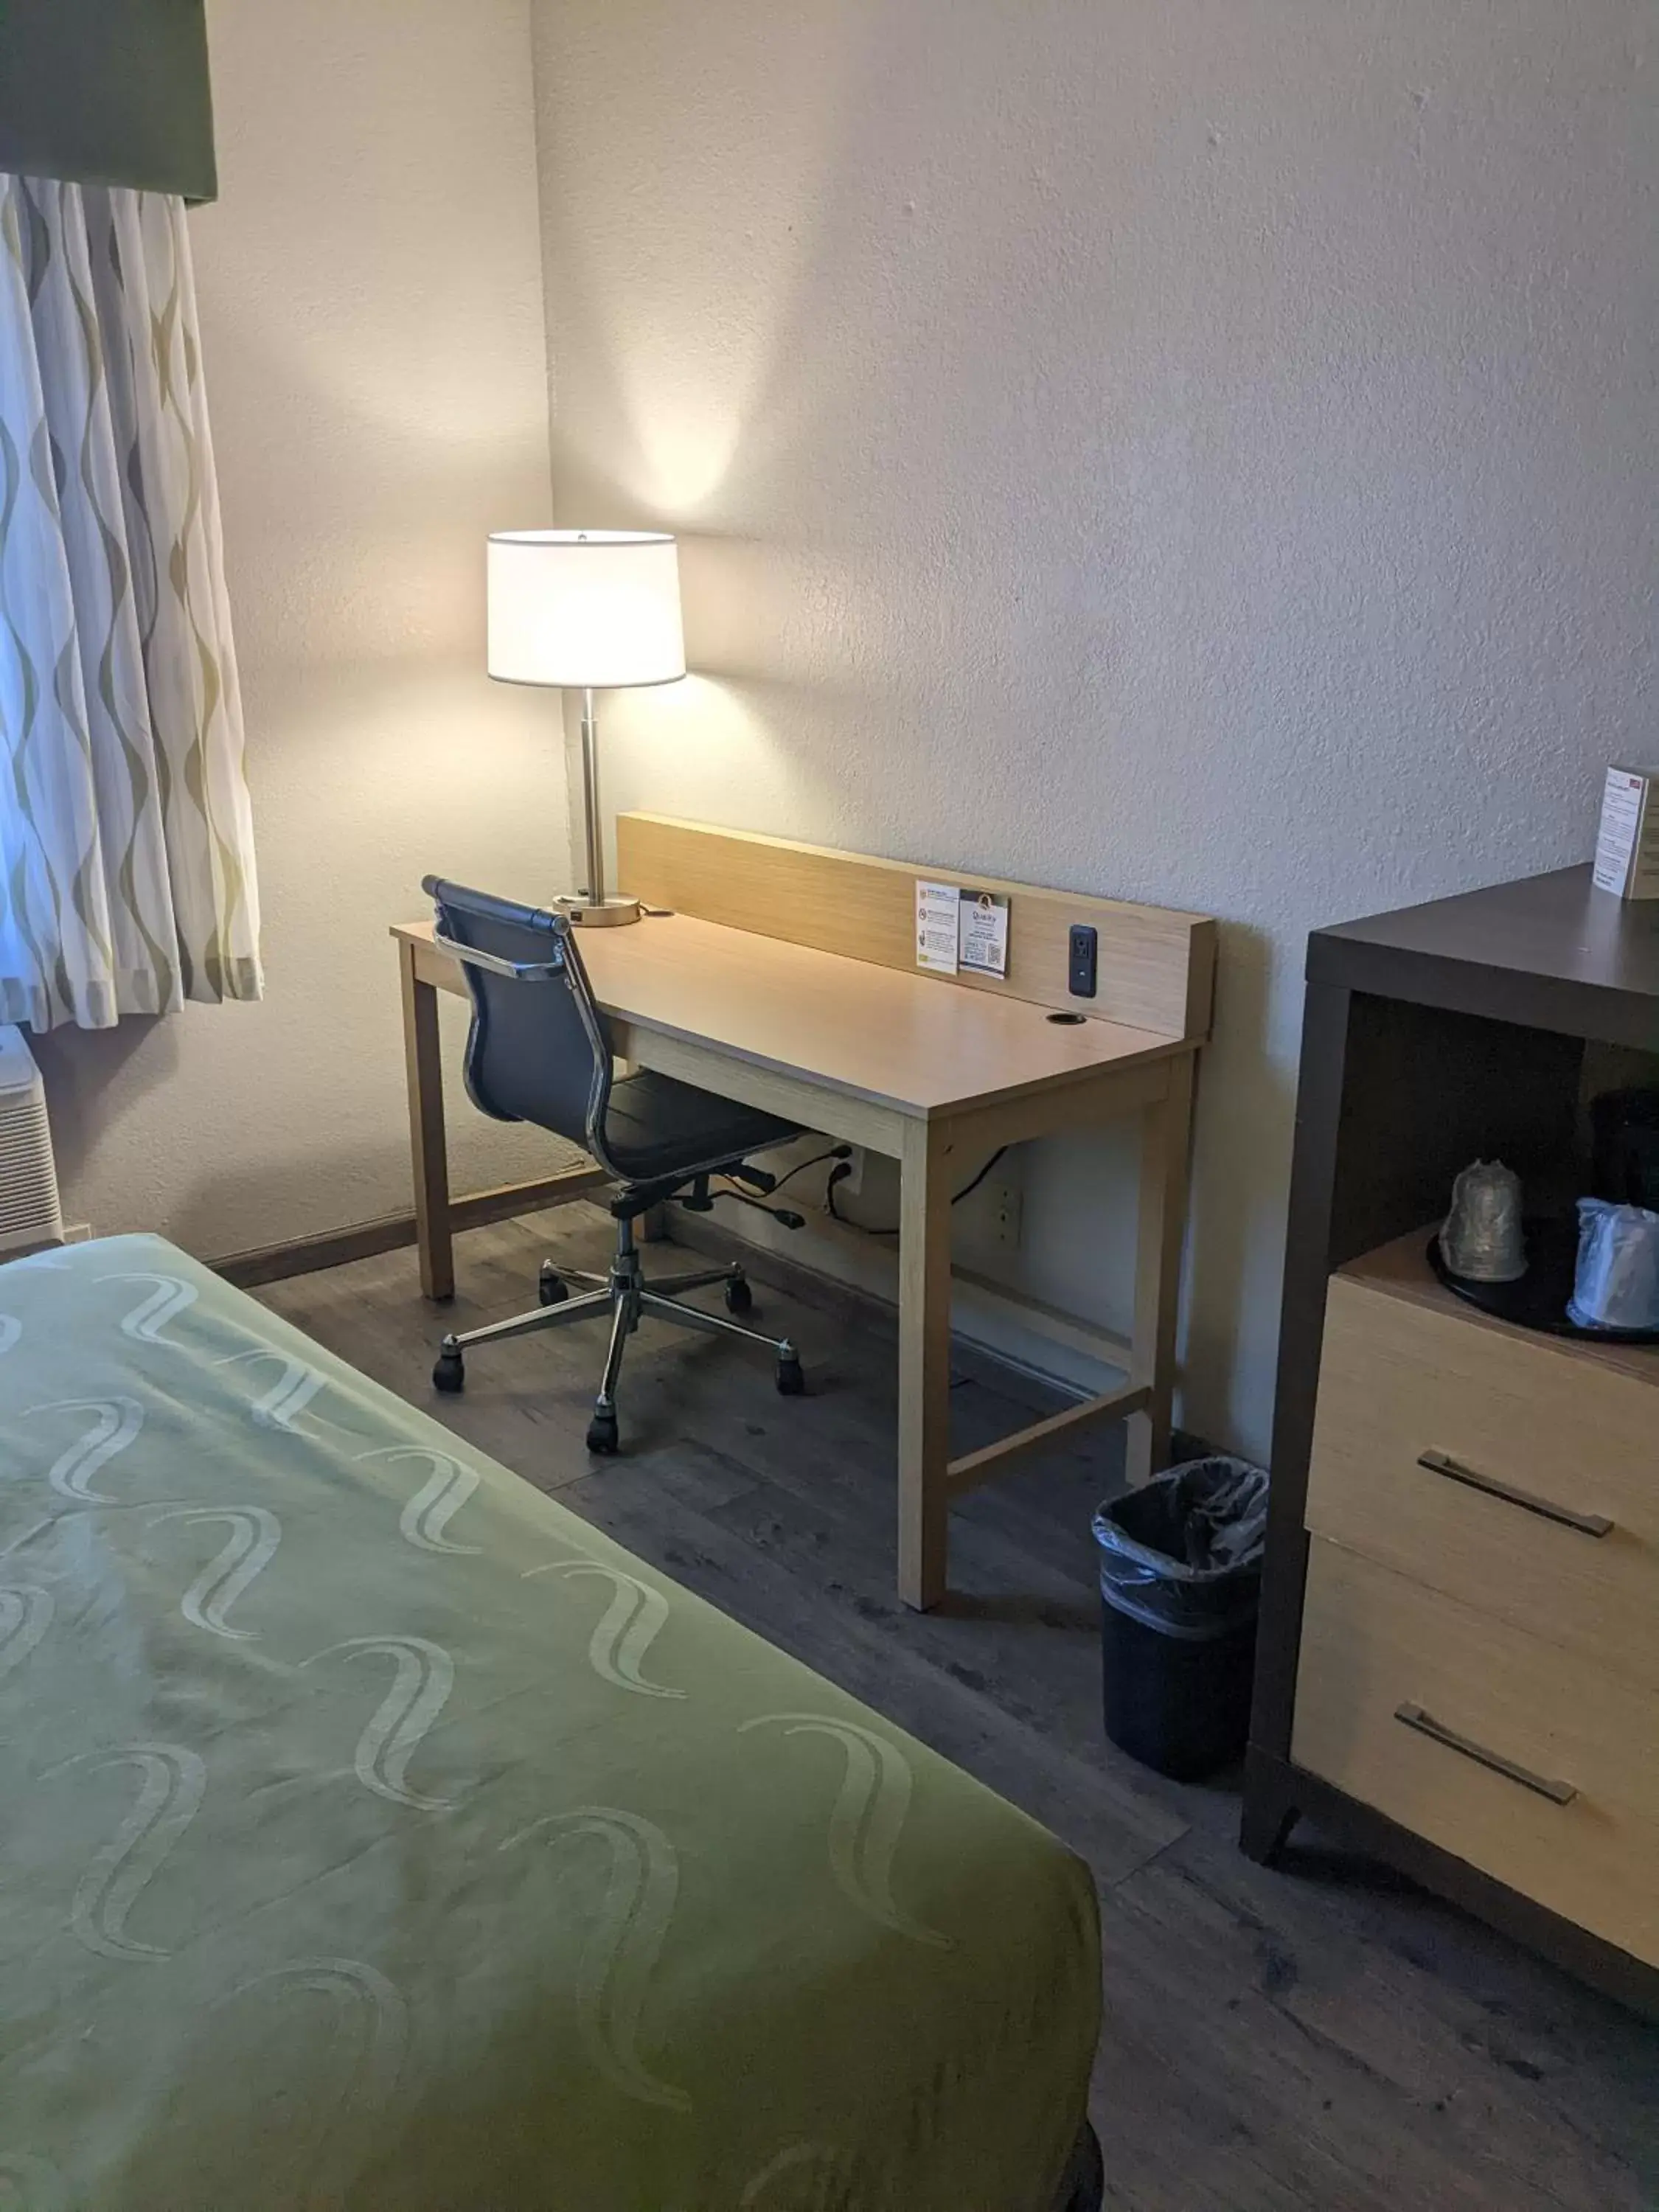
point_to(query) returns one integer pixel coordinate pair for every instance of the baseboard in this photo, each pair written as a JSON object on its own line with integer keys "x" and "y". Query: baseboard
{"x": 833, "y": 1294}
{"x": 816, "y": 1287}
{"x": 390, "y": 1232}
{"x": 338, "y": 1248}
{"x": 310, "y": 1255}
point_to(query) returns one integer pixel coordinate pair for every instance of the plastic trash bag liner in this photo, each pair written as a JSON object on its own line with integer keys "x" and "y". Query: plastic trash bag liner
{"x": 1183, "y": 1554}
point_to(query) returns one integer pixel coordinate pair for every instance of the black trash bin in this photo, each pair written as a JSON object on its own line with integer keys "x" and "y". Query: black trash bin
{"x": 1179, "y": 1582}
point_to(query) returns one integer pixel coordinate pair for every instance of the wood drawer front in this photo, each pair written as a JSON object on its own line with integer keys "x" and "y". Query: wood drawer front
{"x": 1373, "y": 1642}
{"x": 1400, "y": 1380}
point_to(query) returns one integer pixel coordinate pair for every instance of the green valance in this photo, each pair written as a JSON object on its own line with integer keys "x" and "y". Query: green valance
{"x": 107, "y": 92}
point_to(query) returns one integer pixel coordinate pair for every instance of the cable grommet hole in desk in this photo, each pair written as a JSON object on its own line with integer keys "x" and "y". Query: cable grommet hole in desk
{"x": 1068, "y": 1021}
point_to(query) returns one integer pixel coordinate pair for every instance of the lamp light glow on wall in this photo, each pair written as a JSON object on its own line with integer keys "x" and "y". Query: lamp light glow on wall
{"x": 590, "y": 610}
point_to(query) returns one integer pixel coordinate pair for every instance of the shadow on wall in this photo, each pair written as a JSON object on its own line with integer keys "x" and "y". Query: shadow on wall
{"x": 1245, "y": 1125}
{"x": 84, "y": 1069}
{"x": 855, "y": 654}
{"x": 812, "y": 629}
{"x": 801, "y": 598}
{"x": 324, "y": 583}
{"x": 355, "y": 1180}
{"x": 1079, "y": 1190}
{"x": 288, "y": 1191}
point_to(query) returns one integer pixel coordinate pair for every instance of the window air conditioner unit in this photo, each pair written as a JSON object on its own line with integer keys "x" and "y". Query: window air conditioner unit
{"x": 30, "y": 1214}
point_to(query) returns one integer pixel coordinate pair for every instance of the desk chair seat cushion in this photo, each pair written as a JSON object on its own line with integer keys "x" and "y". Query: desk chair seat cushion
{"x": 657, "y": 1126}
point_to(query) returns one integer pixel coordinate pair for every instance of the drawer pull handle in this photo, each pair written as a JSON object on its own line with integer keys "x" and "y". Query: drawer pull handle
{"x": 1587, "y": 1524}
{"x": 1558, "y": 1793}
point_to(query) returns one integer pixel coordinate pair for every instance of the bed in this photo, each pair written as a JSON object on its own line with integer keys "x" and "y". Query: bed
{"x": 374, "y": 1832}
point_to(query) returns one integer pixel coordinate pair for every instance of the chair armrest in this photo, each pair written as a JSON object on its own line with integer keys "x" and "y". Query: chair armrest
{"x": 516, "y": 971}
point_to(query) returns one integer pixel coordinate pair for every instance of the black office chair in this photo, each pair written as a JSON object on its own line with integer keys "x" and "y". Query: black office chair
{"x": 539, "y": 1050}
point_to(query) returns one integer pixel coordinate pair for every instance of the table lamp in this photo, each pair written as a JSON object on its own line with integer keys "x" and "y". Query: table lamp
{"x": 593, "y": 610}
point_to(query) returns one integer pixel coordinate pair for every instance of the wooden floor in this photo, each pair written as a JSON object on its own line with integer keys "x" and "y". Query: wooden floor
{"x": 1324, "y": 2037}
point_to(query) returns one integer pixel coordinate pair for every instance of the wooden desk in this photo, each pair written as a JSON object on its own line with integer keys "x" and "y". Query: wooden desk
{"x": 933, "y": 1076}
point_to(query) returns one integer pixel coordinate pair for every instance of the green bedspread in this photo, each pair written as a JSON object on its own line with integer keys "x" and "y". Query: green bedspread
{"x": 374, "y": 1832}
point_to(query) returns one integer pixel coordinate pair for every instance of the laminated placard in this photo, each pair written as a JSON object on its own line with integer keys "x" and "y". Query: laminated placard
{"x": 936, "y": 927}
{"x": 1627, "y": 848}
{"x": 982, "y": 933}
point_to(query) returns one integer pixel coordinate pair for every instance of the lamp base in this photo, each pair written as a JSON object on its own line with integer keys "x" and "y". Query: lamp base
{"x": 604, "y": 914}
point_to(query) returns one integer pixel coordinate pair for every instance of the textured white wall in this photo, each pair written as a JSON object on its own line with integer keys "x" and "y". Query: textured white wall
{"x": 370, "y": 287}
{"x": 1196, "y": 450}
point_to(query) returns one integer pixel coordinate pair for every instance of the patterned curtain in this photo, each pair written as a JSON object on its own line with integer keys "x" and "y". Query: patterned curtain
{"x": 126, "y": 852}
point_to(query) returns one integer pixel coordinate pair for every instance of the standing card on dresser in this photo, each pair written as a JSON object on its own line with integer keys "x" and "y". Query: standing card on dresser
{"x": 1627, "y": 848}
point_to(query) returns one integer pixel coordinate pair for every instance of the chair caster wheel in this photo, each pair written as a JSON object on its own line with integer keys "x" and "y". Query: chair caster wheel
{"x": 792, "y": 1383}
{"x": 602, "y": 1434}
{"x": 551, "y": 1288}
{"x": 449, "y": 1375}
{"x": 739, "y": 1298}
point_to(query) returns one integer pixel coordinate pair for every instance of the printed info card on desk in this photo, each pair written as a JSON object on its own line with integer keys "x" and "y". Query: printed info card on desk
{"x": 936, "y": 926}
{"x": 982, "y": 933}
{"x": 958, "y": 929}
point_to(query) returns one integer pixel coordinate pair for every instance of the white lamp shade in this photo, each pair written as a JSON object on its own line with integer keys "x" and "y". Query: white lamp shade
{"x": 585, "y": 608}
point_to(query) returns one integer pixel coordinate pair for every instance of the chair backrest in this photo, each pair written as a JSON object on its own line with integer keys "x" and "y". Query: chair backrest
{"x": 539, "y": 1049}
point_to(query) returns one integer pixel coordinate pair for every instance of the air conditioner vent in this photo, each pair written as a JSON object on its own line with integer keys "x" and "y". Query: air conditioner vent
{"x": 29, "y": 1211}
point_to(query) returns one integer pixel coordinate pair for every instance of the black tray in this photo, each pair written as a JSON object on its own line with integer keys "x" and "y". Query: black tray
{"x": 1539, "y": 1299}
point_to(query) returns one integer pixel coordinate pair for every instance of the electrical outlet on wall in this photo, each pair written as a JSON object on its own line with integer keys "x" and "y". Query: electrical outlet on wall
{"x": 1002, "y": 1211}
{"x": 851, "y": 1184}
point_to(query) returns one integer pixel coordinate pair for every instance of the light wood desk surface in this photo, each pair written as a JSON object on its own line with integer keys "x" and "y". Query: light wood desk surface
{"x": 934, "y": 1072}
{"x": 893, "y": 1040}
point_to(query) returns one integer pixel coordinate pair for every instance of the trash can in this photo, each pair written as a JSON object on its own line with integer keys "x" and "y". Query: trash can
{"x": 1180, "y": 1582}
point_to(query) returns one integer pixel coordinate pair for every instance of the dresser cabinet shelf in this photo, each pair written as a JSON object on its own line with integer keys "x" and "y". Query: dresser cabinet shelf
{"x": 1459, "y": 1659}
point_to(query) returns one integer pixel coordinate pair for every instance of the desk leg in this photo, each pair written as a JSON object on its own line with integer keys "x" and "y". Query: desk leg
{"x": 429, "y": 1157}
{"x": 924, "y": 1428}
{"x": 1166, "y": 1145}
